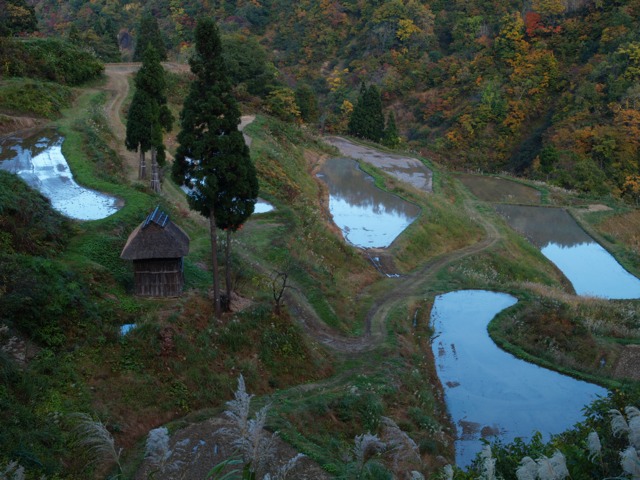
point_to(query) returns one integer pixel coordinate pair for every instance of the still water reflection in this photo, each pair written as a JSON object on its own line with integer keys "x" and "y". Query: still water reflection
{"x": 590, "y": 268}
{"x": 262, "y": 206}
{"x": 38, "y": 160}
{"x": 490, "y": 393}
{"x": 368, "y": 217}
{"x": 496, "y": 189}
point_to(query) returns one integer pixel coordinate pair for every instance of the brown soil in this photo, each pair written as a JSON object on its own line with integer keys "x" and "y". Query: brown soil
{"x": 628, "y": 365}
{"x": 10, "y": 125}
{"x": 118, "y": 88}
{"x": 406, "y": 169}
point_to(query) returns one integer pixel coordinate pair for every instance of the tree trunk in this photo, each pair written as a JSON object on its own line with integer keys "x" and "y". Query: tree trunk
{"x": 214, "y": 260}
{"x": 155, "y": 176}
{"x": 142, "y": 168}
{"x": 228, "y": 269}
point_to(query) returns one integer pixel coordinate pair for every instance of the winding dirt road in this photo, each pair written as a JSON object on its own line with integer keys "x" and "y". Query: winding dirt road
{"x": 117, "y": 88}
{"x": 401, "y": 288}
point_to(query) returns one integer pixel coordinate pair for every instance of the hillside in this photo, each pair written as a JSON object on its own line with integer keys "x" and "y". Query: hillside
{"x": 350, "y": 352}
{"x": 545, "y": 89}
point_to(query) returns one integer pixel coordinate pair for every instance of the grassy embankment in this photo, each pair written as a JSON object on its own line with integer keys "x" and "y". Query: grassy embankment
{"x": 582, "y": 337}
{"x": 179, "y": 359}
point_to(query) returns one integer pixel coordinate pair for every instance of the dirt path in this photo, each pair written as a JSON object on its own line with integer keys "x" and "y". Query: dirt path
{"x": 117, "y": 87}
{"x": 401, "y": 289}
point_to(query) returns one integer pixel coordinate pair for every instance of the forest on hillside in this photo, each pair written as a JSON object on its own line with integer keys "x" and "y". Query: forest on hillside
{"x": 543, "y": 88}
{"x": 546, "y": 89}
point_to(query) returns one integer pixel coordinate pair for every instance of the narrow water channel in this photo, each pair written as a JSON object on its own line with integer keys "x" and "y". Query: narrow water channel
{"x": 589, "y": 267}
{"x": 491, "y": 394}
{"x": 38, "y": 160}
{"x": 367, "y": 216}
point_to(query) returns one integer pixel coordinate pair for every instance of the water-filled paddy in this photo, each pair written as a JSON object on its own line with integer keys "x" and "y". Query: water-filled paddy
{"x": 406, "y": 169}
{"x": 591, "y": 269}
{"x": 38, "y": 160}
{"x": 498, "y": 190}
{"x": 367, "y": 216}
{"x": 490, "y": 393}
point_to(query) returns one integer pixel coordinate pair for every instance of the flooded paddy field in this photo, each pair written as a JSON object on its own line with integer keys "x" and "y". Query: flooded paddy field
{"x": 39, "y": 161}
{"x": 491, "y": 394}
{"x": 499, "y": 190}
{"x": 367, "y": 216}
{"x": 591, "y": 269}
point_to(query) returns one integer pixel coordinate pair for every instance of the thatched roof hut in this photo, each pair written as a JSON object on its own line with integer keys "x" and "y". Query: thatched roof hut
{"x": 157, "y": 247}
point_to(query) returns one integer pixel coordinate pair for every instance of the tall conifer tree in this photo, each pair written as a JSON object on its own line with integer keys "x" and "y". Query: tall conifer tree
{"x": 308, "y": 103}
{"x": 367, "y": 119}
{"x": 212, "y": 158}
{"x": 149, "y": 115}
{"x": 374, "y": 118}
{"x": 357, "y": 120}
{"x": 235, "y": 204}
{"x": 149, "y": 33}
{"x": 391, "y": 138}
{"x": 138, "y": 136}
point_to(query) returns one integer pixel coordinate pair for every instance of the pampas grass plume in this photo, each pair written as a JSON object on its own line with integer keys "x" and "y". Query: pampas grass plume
{"x": 488, "y": 463}
{"x": 15, "y": 469}
{"x": 594, "y": 445}
{"x": 630, "y": 462}
{"x": 528, "y": 469}
{"x": 448, "y": 472}
{"x": 633, "y": 416}
{"x": 94, "y": 436}
{"x": 619, "y": 424}
{"x": 365, "y": 447}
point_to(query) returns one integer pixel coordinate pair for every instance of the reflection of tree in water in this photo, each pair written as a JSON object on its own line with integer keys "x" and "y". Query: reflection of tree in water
{"x": 18, "y": 150}
{"x": 543, "y": 226}
{"x": 348, "y": 183}
{"x": 493, "y": 189}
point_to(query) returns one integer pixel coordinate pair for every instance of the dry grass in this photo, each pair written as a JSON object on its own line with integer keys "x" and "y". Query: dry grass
{"x": 624, "y": 229}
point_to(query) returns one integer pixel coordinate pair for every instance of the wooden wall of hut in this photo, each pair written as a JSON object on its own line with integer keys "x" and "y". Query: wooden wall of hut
{"x": 158, "y": 277}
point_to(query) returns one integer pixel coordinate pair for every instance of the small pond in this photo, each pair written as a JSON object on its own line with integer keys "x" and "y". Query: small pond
{"x": 262, "y": 207}
{"x": 126, "y": 328}
{"x": 591, "y": 269}
{"x": 368, "y": 216}
{"x": 490, "y": 393}
{"x": 496, "y": 189}
{"x": 38, "y": 160}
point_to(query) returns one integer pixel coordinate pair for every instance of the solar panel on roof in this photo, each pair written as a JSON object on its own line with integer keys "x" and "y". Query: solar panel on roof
{"x": 158, "y": 217}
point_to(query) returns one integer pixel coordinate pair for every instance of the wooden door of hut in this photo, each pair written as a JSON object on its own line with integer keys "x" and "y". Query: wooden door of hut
{"x": 157, "y": 248}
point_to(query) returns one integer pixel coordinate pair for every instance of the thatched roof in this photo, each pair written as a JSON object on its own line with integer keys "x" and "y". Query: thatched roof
{"x": 156, "y": 237}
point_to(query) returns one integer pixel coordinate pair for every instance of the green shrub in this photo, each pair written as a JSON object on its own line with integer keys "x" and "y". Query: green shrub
{"x": 41, "y": 297}
{"x": 27, "y": 222}
{"x": 48, "y": 59}
{"x": 44, "y": 99}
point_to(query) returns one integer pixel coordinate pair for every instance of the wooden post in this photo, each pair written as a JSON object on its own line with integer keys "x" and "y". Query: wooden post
{"x": 214, "y": 259}
{"x": 155, "y": 176}
{"x": 142, "y": 171}
{"x": 228, "y": 269}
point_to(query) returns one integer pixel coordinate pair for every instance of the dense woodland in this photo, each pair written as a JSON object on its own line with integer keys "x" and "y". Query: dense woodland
{"x": 545, "y": 89}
